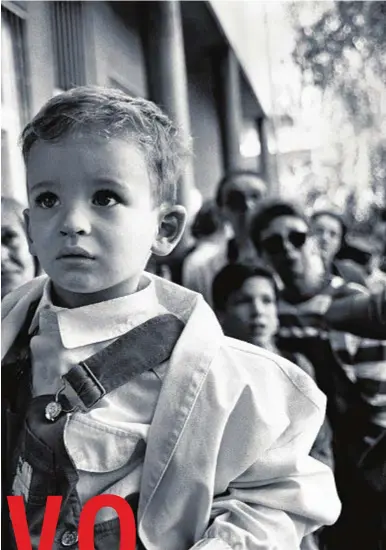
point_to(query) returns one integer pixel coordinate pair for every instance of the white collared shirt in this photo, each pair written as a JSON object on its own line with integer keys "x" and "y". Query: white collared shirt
{"x": 108, "y": 443}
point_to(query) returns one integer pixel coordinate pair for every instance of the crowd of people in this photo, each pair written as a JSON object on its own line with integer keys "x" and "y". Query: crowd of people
{"x": 309, "y": 291}
{"x": 243, "y": 451}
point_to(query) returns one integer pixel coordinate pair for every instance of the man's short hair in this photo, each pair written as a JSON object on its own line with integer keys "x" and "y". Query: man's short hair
{"x": 232, "y": 277}
{"x": 207, "y": 221}
{"x": 113, "y": 114}
{"x": 269, "y": 210}
{"x": 229, "y": 176}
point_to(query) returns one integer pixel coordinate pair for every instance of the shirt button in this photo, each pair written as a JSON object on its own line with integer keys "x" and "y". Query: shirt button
{"x": 69, "y": 538}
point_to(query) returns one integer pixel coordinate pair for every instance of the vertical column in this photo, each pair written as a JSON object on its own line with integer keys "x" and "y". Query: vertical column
{"x": 262, "y": 131}
{"x": 268, "y": 165}
{"x": 231, "y": 109}
{"x": 167, "y": 72}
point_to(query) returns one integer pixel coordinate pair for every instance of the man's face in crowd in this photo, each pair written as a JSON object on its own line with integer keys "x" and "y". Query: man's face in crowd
{"x": 17, "y": 264}
{"x": 328, "y": 234}
{"x": 283, "y": 242}
{"x": 251, "y": 312}
{"x": 240, "y": 197}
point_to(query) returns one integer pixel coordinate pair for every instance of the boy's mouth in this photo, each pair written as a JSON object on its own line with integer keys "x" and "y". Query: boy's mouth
{"x": 74, "y": 252}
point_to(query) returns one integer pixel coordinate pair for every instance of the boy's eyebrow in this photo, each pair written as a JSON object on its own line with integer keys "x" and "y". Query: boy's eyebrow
{"x": 112, "y": 180}
{"x": 41, "y": 184}
{"x": 121, "y": 184}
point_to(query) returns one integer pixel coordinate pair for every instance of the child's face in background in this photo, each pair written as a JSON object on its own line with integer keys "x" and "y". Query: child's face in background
{"x": 92, "y": 219}
{"x": 251, "y": 313}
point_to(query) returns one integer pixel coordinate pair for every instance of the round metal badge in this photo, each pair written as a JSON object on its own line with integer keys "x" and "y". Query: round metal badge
{"x": 52, "y": 411}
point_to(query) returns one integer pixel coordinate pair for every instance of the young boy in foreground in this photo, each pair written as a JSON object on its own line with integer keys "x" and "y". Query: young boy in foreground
{"x": 118, "y": 382}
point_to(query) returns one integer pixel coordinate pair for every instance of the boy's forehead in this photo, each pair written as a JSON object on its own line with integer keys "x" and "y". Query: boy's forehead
{"x": 95, "y": 154}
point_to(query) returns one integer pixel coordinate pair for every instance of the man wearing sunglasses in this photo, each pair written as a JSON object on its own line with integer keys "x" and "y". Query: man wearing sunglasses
{"x": 238, "y": 194}
{"x": 280, "y": 232}
{"x": 351, "y": 371}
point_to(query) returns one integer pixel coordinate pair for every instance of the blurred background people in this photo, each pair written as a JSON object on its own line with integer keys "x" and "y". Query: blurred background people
{"x": 245, "y": 302}
{"x": 368, "y": 252}
{"x": 380, "y": 235}
{"x": 330, "y": 231}
{"x": 280, "y": 232}
{"x": 244, "y": 299}
{"x": 208, "y": 230}
{"x": 238, "y": 194}
{"x": 17, "y": 264}
{"x": 351, "y": 371}
{"x": 157, "y": 266}
{"x": 362, "y": 314}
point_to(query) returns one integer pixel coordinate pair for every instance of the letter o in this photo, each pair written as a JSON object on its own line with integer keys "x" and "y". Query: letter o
{"x": 126, "y": 521}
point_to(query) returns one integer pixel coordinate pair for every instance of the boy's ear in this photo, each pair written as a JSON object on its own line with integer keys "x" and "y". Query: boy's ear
{"x": 171, "y": 225}
{"x": 28, "y": 231}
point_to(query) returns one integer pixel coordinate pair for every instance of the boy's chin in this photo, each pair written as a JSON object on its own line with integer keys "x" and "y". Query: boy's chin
{"x": 78, "y": 292}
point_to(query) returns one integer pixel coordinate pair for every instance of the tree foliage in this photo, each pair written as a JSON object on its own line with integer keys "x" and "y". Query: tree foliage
{"x": 343, "y": 53}
{"x": 343, "y": 47}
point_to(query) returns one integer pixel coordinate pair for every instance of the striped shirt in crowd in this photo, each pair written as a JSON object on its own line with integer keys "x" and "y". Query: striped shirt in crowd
{"x": 345, "y": 365}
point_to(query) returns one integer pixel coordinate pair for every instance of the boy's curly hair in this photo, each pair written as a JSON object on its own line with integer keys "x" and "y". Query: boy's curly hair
{"x": 112, "y": 113}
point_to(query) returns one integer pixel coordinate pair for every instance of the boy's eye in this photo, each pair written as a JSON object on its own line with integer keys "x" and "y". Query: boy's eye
{"x": 106, "y": 198}
{"x": 46, "y": 200}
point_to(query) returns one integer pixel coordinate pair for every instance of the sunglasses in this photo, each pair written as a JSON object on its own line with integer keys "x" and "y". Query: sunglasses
{"x": 275, "y": 244}
{"x": 237, "y": 201}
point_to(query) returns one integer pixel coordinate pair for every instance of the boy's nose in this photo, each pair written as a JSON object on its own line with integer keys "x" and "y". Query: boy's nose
{"x": 75, "y": 222}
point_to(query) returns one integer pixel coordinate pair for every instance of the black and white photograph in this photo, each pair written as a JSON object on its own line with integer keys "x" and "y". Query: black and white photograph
{"x": 193, "y": 275}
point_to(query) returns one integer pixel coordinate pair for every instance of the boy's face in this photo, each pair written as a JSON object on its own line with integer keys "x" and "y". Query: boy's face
{"x": 92, "y": 221}
{"x": 251, "y": 312}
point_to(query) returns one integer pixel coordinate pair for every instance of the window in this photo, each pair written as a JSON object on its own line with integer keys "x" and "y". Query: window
{"x": 68, "y": 36}
{"x": 14, "y": 103}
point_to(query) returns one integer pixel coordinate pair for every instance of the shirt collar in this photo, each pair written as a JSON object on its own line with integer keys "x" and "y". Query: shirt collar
{"x": 101, "y": 321}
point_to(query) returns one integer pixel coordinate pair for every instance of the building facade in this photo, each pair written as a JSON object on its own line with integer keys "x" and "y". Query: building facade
{"x": 196, "y": 59}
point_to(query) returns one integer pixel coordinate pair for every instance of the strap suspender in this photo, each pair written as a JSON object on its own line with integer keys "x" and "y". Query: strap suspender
{"x": 139, "y": 350}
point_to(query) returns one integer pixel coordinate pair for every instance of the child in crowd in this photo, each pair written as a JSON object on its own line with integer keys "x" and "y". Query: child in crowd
{"x": 245, "y": 301}
{"x": 118, "y": 382}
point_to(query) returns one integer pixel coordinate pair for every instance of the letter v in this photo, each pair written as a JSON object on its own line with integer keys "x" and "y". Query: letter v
{"x": 20, "y": 525}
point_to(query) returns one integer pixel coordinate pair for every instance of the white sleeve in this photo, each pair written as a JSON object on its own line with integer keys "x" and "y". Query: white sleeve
{"x": 281, "y": 497}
